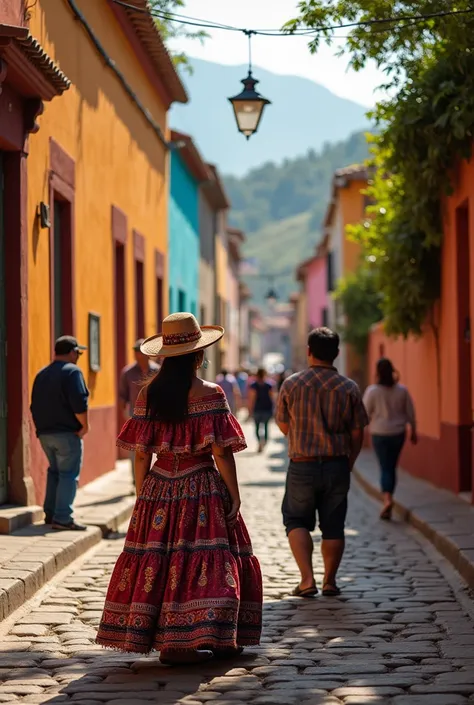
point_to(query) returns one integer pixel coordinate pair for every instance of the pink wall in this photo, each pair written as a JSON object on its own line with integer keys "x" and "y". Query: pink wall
{"x": 316, "y": 292}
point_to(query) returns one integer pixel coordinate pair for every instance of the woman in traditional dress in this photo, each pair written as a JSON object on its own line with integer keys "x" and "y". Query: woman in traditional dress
{"x": 187, "y": 583}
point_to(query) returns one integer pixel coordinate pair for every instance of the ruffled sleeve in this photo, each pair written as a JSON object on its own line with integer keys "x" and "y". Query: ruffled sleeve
{"x": 209, "y": 422}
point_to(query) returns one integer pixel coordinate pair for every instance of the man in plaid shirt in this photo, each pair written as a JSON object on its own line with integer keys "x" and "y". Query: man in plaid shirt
{"x": 323, "y": 416}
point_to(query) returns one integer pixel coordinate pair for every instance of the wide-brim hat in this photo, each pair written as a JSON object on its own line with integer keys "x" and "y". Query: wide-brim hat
{"x": 181, "y": 334}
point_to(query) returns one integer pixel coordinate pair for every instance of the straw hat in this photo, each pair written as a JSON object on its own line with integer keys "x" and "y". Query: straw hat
{"x": 181, "y": 334}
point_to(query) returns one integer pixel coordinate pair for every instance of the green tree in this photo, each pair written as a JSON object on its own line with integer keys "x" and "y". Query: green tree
{"x": 175, "y": 30}
{"x": 424, "y": 129}
{"x": 361, "y": 303}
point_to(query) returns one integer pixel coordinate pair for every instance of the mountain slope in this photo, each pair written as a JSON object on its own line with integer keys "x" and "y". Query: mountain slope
{"x": 281, "y": 209}
{"x": 303, "y": 115}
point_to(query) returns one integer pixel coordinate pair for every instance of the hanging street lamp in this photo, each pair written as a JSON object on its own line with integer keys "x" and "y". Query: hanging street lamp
{"x": 249, "y": 104}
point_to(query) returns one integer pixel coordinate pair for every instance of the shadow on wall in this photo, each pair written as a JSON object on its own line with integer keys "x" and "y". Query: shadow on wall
{"x": 91, "y": 78}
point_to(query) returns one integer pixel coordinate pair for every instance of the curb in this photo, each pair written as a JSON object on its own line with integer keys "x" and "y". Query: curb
{"x": 446, "y": 546}
{"x": 46, "y": 553}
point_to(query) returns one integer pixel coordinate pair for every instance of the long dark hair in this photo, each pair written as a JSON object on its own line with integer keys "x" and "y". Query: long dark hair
{"x": 167, "y": 392}
{"x": 386, "y": 375}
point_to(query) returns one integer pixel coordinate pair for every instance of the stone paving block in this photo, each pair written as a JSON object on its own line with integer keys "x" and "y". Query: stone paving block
{"x": 385, "y": 691}
{"x": 50, "y": 618}
{"x": 429, "y": 700}
{"x": 20, "y": 689}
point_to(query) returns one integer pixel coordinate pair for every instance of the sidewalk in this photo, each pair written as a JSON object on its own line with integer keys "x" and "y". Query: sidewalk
{"x": 445, "y": 519}
{"x": 30, "y": 557}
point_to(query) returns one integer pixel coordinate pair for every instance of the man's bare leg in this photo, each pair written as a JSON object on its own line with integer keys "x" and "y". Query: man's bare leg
{"x": 301, "y": 545}
{"x": 332, "y": 551}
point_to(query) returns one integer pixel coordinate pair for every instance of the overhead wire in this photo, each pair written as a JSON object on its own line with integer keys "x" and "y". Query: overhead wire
{"x": 272, "y": 32}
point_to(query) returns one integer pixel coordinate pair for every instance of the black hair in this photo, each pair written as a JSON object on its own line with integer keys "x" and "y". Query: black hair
{"x": 168, "y": 391}
{"x": 386, "y": 375}
{"x": 261, "y": 373}
{"x": 323, "y": 344}
{"x": 224, "y": 373}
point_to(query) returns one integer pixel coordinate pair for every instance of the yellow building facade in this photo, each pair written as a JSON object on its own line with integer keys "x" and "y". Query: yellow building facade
{"x": 95, "y": 225}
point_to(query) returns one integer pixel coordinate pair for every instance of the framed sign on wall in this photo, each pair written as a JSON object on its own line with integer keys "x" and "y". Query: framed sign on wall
{"x": 94, "y": 342}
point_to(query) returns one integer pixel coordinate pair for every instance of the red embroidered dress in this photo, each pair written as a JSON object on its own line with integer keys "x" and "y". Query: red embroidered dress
{"x": 184, "y": 580}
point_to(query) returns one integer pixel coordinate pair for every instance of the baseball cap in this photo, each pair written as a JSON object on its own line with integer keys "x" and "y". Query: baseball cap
{"x": 138, "y": 343}
{"x": 66, "y": 344}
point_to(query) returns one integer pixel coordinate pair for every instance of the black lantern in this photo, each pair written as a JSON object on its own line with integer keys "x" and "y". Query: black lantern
{"x": 248, "y": 107}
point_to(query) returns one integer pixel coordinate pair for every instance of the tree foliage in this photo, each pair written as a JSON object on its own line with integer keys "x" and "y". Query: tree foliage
{"x": 173, "y": 30}
{"x": 361, "y": 302}
{"x": 425, "y": 129}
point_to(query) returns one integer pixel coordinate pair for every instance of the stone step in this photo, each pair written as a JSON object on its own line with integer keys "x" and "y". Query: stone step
{"x": 13, "y": 517}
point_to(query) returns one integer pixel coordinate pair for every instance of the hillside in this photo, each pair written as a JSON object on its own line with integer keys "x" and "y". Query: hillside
{"x": 303, "y": 115}
{"x": 281, "y": 209}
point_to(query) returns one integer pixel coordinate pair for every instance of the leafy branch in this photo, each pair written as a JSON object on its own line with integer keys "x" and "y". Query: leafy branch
{"x": 174, "y": 30}
{"x": 424, "y": 131}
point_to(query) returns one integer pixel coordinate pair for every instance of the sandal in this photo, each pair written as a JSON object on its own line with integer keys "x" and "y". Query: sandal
{"x": 195, "y": 657}
{"x": 386, "y": 513}
{"x": 331, "y": 591}
{"x": 307, "y": 592}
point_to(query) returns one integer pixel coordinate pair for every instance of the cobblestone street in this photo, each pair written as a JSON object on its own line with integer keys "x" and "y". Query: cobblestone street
{"x": 401, "y": 632}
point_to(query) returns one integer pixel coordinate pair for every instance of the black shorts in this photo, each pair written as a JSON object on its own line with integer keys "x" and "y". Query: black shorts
{"x": 317, "y": 488}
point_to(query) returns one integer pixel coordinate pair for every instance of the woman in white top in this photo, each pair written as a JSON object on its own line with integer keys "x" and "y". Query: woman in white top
{"x": 390, "y": 409}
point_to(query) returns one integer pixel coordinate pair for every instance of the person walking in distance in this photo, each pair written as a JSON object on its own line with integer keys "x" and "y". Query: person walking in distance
{"x": 260, "y": 406}
{"x": 132, "y": 378}
{"x": 390, "y": 409}
{"x": 59, "y": 406}
{"x": 228, "y": 384}
{"x": 324, "y": 418}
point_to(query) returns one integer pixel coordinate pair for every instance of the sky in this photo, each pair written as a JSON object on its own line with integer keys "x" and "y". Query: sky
{"x": 285, "y": 55}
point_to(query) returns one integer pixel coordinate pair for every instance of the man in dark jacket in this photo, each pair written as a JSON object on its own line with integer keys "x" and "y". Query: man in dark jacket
{"x": 59, "y": 405}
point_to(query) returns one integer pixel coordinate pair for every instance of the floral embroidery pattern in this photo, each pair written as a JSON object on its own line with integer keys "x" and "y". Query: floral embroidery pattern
{"x": 202, "y": 516}
{"x": 124, "y": 580}
{"x": 202, "y": 582}
{"x": 149, "y": 575}
{"x": 173, "y": 578}
{"x": 159, "y": 518}
{"x": 133, "y": 521}
{"x": 229, "y": 578}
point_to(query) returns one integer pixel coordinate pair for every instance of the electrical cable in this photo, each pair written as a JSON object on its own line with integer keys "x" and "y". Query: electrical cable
{"x": 197, "y": 22}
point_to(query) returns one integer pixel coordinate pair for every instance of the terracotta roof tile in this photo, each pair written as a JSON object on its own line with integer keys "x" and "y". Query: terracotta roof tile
{"x": 145, "y": 27}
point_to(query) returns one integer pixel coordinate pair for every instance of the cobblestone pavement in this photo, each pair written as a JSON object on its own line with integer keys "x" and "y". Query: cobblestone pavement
{"x": 399, "y": 634}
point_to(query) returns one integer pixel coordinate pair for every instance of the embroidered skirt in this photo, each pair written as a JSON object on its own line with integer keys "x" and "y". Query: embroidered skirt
{"x": 184, "y": 580}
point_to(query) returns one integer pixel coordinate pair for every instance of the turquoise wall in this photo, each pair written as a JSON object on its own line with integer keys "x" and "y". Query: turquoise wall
{"x": 183, "y": 249}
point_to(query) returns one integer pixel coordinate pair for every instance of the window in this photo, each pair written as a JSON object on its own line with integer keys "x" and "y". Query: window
{"x": 57, "y": 271}
{"x": 61, "y": 266}
{"x": 330, "y": 271}
{"x": 202, "y": 316}
{"x": 325, "y": 317}
{"x": 159, "y": 302}
{"x": 139, "y": 300}
{"x": 181, "y": 300}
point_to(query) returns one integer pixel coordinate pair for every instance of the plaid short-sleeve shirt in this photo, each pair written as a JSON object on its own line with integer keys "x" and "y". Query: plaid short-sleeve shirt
{"x": 321, "y": 407}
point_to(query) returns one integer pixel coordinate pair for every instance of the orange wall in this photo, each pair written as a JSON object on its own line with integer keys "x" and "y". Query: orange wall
{"x": 415, "y": 361}
{"x": 352, "y": 208}
{"x": 119, "y": 161}
{"x": 445, "y": 408}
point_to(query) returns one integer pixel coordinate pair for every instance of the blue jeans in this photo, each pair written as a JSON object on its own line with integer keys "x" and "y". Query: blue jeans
{"x": 388, "y": 449}
{"x": 64, "y": 453}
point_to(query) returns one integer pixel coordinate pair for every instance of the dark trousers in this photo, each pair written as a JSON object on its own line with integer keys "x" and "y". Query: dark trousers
{"x": 388, "y": 449}
{"x": 262, "y": 417}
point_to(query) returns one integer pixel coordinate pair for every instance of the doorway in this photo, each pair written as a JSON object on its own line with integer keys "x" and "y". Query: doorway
{"x": 120, "y": 320}
{"x": 466, "y": 430}
{"x": 3, "y": 343}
